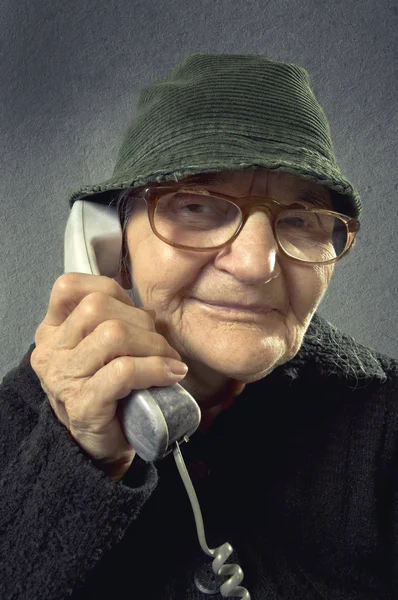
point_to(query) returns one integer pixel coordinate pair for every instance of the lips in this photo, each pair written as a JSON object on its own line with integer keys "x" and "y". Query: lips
{"x": 257, "y": 307}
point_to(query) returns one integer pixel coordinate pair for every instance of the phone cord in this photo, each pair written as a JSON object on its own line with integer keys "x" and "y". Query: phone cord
{"x": 230, "y": 587}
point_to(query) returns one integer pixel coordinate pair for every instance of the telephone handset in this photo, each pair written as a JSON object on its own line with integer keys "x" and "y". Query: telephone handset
{"x": 155, "y": 421}
{"x": 152, "y": 419}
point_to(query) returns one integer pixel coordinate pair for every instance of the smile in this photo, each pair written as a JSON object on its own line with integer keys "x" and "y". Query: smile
{"x": 233, "y": 310}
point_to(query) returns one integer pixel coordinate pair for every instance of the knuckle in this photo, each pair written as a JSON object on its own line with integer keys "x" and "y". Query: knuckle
{"x": 34, "y": 360}
{"x": 113, "y": 288}
{"x": 39, "y": 361}
{"x": 126, "y": 370}
{"x": 74, "y": 280}
{"x": 38, "y": 334}
{"x": 111, "y": 331}
{"x": 93, "y": 303}
{"x": 109, "y": 286}
{"x": 65, "y": 281}
{"x": 123, "y": 366}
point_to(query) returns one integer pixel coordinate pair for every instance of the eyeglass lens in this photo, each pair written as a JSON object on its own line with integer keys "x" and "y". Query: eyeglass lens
{"x": 199, "y": 221}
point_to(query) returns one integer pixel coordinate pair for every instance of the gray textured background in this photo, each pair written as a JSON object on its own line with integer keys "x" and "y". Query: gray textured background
{"x": 70, "y": 77}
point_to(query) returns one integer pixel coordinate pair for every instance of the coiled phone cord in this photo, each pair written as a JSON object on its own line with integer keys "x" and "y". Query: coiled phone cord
{"x": 230, "y": 587}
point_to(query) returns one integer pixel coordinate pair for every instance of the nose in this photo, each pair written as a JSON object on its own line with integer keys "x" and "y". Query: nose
{"x": 253, "y": 255}
{"x": 258, "y": 230}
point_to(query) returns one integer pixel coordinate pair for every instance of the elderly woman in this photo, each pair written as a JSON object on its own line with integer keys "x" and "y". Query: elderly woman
{"x": 234, "y": 215}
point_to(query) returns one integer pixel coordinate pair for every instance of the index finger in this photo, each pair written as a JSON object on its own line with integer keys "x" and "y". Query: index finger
{"x": 70, "y": 289}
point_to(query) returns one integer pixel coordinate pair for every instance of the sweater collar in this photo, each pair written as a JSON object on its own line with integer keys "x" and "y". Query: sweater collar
{"x": 328, "y": 352}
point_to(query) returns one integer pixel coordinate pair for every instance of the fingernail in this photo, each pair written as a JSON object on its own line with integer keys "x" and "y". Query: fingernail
{"x": 176, "y": 368}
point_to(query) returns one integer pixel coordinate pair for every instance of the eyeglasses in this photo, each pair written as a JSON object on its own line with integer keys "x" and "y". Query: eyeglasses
{"x": 200, "y": 221}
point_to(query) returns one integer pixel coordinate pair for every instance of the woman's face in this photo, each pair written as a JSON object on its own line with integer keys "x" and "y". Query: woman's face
{"x": 175, "y": 283}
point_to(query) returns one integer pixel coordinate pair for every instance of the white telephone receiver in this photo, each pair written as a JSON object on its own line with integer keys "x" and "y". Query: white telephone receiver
{"x": 153, "y": 419}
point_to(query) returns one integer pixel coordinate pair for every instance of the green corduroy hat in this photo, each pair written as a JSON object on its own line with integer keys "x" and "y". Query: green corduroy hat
{"x": 216, "y": 112}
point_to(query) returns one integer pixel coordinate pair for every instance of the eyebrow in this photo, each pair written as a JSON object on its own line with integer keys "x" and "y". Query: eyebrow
{"x": 316, "y": 198}
{"x": 309, "y": 195}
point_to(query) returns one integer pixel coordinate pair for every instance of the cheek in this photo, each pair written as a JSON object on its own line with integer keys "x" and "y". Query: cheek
{"x": 161, "y": 276}
{"x": 306, "y": 287}
{"x": 323, "y": 274}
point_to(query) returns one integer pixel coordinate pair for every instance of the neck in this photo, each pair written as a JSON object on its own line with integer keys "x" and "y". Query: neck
{"x": 224, "y": 401}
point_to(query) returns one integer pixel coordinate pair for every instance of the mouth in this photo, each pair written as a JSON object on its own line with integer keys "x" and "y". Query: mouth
{"x": 235, "y": 308}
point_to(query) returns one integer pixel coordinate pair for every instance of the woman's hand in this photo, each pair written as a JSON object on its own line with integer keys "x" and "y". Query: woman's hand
{"x": 92, "y": 348}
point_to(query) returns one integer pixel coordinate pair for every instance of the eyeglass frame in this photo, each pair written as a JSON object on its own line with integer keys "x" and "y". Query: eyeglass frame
{"x": 153, "y": 194}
